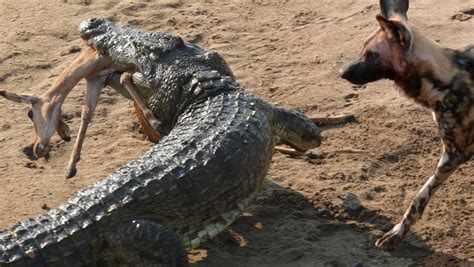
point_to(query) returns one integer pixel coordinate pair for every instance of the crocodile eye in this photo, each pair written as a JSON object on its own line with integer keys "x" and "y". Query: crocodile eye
{"x": 30, "y": 114}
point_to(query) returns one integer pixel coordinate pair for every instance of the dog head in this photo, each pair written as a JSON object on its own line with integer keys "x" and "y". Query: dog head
{"x": 384, "y": 53}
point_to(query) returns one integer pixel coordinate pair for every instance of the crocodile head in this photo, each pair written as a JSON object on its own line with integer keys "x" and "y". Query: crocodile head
{"x": 162, "y": 63}
{"x": 126, "y": 45}
{"x": 104, "y": 36}
{"x": 93, "y": 27}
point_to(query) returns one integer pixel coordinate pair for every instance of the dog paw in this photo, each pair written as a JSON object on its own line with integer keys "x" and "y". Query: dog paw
{"x": 391, "y": 240}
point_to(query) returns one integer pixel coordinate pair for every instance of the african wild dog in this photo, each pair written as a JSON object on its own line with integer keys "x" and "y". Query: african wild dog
{"x": 438, "y": 78}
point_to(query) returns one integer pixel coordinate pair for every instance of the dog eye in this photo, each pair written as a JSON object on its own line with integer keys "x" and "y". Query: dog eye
{"x": 372, "y": 56}
{"x": 30, "y": 114}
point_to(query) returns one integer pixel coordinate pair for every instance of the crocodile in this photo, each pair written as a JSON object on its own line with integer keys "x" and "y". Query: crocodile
{"x": 187, "y": 188}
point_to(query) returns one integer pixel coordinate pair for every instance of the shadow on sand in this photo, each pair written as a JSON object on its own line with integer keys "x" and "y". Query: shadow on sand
{"x": 282, "y": 228}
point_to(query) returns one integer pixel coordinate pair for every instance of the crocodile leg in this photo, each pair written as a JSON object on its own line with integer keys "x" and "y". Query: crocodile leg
{"x": 94, "y": 87}
{"x": 145, "y": 243}
{"x": 157, "y": 126}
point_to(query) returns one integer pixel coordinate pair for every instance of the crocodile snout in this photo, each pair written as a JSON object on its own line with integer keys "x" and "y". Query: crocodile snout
{"x": 92, "y": 27}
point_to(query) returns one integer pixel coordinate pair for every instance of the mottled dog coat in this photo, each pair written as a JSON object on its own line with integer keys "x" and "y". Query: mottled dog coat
{"x": 438, "y": 78}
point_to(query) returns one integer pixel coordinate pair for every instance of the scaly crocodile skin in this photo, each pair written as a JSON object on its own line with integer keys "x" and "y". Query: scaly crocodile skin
{"x": 189, "y": 187}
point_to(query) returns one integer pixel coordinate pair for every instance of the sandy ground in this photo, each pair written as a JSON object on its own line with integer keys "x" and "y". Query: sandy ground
{"x": 322, "y": 213}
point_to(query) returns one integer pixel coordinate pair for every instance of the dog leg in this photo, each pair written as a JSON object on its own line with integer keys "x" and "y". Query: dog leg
{"x": 94, "y": 87}
{"x": 157, "y": 126}
{"x": 392, "y": 239}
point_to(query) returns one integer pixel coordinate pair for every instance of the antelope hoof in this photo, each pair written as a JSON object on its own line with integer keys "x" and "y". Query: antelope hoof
{"x": 41, "y": 151}
{"x": 71, "y": 172}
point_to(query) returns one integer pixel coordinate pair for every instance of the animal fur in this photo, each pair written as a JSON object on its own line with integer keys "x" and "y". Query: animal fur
{"x": 438, "y": 78}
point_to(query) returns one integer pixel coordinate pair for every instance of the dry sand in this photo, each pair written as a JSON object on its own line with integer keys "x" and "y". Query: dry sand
{"x": 323, "y": 213}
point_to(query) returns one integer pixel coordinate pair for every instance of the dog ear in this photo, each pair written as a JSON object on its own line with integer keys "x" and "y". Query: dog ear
{"x": 392, "y": 9}
{"x": 396, "y": 30}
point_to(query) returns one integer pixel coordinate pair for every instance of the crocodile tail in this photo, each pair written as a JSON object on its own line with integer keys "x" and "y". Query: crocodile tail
{"x": 294, "y": 128}
{"x": 195, "y": 181}
{"x": 65, "y": 236}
